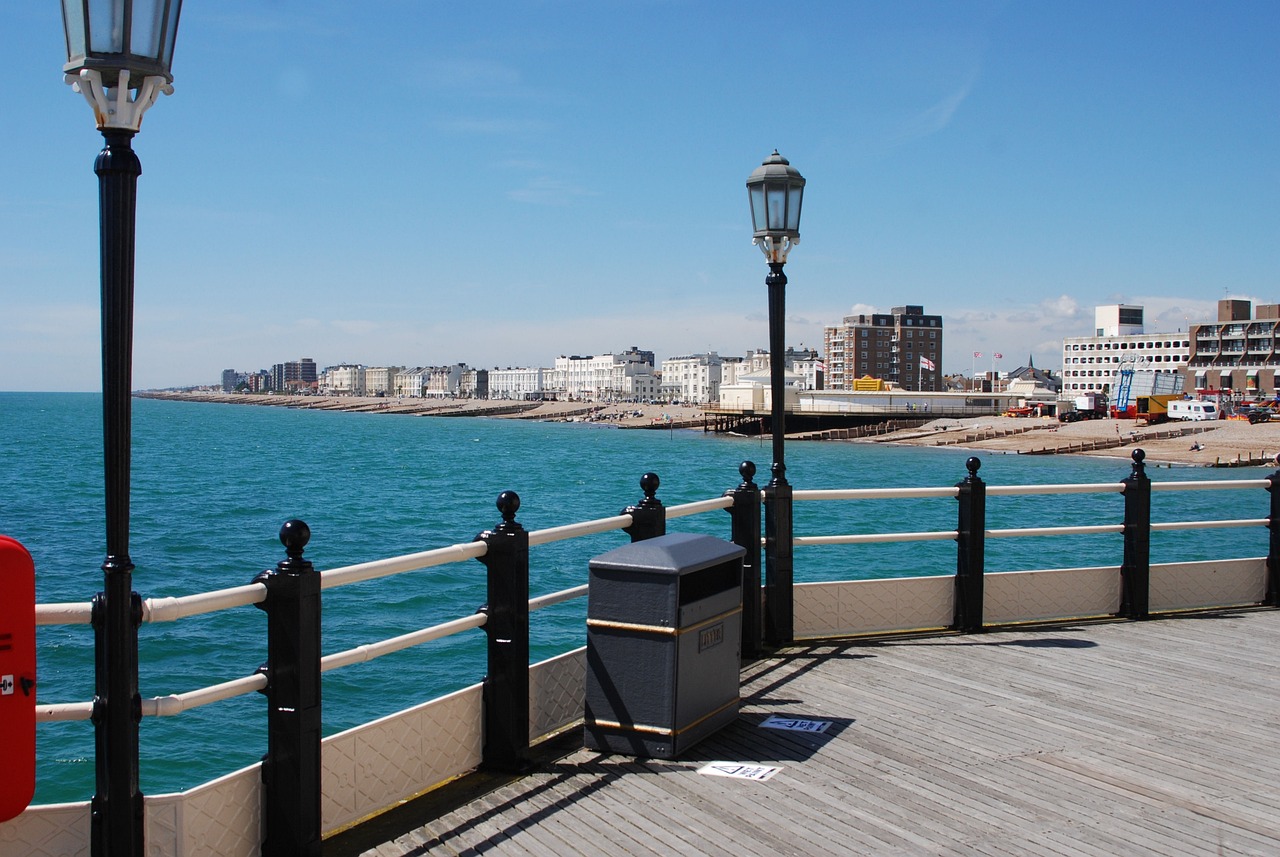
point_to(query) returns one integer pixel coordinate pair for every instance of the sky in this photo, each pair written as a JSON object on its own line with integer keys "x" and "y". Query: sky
{"x": 410, "y": 182}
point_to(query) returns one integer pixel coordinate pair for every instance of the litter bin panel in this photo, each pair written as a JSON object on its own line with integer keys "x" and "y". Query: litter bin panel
{"x": 664, "y": 632}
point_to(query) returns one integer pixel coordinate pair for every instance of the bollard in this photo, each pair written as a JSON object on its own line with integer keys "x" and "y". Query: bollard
{"x": 506, "y": 687}
{"x": 745, "y": 526}
{"x": 1135, "y": 572}
{"x": 970, "y": 550}
{"x": 291, "y": 768}
{"x": 649, "y": 516}
{"x": 1272, "y": 598}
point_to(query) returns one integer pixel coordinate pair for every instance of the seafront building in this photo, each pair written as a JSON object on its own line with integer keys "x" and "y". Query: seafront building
{"x": 295, "y": 376}
{"x": 381, "y": 380}
{"x": 1238, "y": 352}
{"x": 347, "y": 379}
{"x": 624, "y": 376}
{"x": 692, "y": 378}
{"x": 1091, "y": 364}
{"x": 443, "y": 382}
{"x": 902, "y": 346}
{"x": 520, "y": 384}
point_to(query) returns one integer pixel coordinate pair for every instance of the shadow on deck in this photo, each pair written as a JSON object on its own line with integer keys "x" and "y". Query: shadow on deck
{"x": 1110, "y": 738}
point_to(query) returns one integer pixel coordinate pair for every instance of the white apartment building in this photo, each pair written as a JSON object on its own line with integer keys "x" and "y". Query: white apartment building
{"x": 412, "y": 382}
{"x": 803, "y": 363}
{"x": 692, "y": 378}
{"x": 1091, "y": 363}
{"x": 604, "y": 377}
{"x": 519, "y": 384}
{"x": 344, "y": 380}
{"x": 443, "y": 381}
{"x": 380, "y": 379}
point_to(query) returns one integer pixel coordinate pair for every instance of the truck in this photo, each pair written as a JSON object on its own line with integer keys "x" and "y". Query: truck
{"x": 1092, "y": 406}
{"x": 1146, "y": 409}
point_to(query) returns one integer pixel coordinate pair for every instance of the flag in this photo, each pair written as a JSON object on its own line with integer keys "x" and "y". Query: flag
{"x": 926, "y": 363}
{"x": 977, "y": 354}
{"x": 998, "y": 356}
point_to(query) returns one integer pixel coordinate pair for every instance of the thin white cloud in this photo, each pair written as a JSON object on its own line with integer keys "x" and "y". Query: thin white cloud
{"x": 548, "y": 191}
{"x": 937, "y": 116}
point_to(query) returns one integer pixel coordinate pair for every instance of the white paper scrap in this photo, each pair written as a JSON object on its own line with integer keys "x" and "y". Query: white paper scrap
{"x": 737, "y": 770}
{"x": 792, "y": 724}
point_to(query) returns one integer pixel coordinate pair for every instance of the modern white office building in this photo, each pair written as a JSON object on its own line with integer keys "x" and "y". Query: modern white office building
{"x": 1090, "y": 363}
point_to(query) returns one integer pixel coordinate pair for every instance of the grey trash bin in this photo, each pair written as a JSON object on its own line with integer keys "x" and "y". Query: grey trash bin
{"x": 664, "y": 635}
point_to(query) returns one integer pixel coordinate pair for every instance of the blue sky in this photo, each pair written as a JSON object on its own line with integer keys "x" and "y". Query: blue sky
{"x": 497, "y": 183}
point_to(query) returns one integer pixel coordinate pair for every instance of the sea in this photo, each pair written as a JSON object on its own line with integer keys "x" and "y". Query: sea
{"x": 212, "y": 484}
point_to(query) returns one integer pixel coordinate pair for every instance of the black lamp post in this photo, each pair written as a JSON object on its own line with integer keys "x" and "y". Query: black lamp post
{"x": 118, "y": 56}
{"x": 776, "y": 190}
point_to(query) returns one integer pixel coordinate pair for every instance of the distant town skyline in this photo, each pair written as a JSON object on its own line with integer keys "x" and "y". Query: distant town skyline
{"x": 493, "y": 183}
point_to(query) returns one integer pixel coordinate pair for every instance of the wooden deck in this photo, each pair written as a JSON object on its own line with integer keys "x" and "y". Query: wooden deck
{"x": 1158, "y": 737}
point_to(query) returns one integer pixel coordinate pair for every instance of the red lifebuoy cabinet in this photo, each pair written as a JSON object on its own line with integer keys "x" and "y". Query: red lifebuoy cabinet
{"x": 17, "y": 677}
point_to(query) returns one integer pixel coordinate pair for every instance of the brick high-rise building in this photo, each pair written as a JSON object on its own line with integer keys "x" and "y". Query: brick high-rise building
{"x": 903, "y": 346}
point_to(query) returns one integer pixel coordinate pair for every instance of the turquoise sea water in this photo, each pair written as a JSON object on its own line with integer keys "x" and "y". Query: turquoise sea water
{"x": 213, "y": 483}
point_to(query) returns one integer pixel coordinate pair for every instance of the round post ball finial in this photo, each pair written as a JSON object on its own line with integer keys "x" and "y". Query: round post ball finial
{"x": 747, "y": 470}
{"x": 972, "y": 465}
{"x": 649, "y": 485}
{"x": 508, "y": 504}
{"x": 294, "y": 535}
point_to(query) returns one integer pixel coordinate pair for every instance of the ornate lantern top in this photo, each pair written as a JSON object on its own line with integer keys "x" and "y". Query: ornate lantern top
{"x": 776, "y": 192}
{"x": 119, "y": 55}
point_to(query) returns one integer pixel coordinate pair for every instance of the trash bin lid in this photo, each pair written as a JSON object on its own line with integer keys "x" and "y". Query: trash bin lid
{"x": 674, "y": 553}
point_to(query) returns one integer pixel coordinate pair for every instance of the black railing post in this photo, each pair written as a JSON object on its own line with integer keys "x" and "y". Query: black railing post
{"x": 1135, "y": 572}
{"x": 745, "y": 526}
{"x": 779, "y": 571}
{"x": 649, "y": 516}
{"x": 1272, "y": 598}
{"x": 970, "y": 549}
{"x": 506, "y": 686}
{"x": 291, "y": 768}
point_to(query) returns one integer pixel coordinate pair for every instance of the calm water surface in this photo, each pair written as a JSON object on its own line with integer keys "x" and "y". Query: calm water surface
{"x": 213, "y": 483}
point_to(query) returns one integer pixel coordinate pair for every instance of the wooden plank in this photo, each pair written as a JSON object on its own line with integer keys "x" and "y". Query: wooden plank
{"x": 1157, "y": 737}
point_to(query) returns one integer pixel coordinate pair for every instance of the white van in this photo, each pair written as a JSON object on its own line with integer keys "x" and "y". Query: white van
{"x": 1193, "y": 409}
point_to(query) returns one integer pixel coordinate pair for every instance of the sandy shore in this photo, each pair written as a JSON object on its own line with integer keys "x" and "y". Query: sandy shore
{"x": 627, "y": 415}
{"x": 1204, "y": 444}
{"x": 1222, "y": 443}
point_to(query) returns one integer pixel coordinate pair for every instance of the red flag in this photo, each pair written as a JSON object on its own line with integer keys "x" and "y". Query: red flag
{"x": 998, "y": 356}
{"x": 977, "y": 354}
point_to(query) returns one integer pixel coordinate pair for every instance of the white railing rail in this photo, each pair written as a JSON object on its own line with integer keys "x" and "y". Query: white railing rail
{"x": 169, "y": 609}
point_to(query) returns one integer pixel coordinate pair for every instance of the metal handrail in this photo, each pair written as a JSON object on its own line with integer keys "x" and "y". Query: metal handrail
{"x": 167, "y": 609}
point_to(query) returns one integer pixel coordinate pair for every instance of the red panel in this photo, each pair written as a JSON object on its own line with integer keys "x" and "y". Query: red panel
{"x": 17, "y": 677}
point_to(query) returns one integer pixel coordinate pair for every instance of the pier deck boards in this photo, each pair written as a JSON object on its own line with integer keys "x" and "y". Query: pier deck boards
{"x": 1158, "y": 737}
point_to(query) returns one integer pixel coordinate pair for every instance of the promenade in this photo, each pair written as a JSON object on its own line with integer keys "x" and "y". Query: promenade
{"x": 1158, "y": 737}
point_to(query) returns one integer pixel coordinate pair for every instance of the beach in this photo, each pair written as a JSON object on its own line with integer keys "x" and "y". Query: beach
{"x": 1220, "y": 443}
{"x": 623, "y": 414}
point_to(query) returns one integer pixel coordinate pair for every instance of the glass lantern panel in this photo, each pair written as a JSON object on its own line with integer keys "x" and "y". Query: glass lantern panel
{"x": 148, "y": 27}
{"x": 171, "y": 34}
{"x": 73, "y": 23}
{"x": 777, "y": 198}
{"x": 757, "y": 208}
{"x": 106, "y": 27}
{"x": 794, "y": 195}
